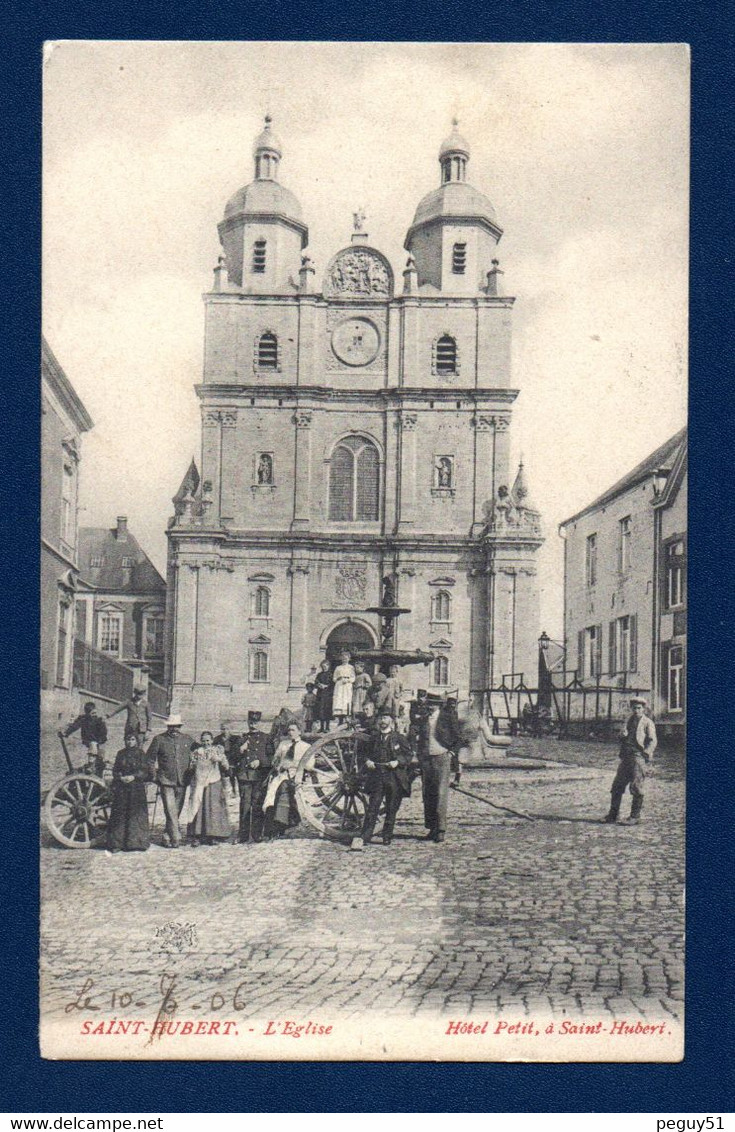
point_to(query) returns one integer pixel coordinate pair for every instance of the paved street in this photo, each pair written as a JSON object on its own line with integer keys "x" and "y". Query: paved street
{"x": 559, "y": 915}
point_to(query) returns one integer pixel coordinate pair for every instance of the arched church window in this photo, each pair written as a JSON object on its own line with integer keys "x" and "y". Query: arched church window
{"x": 459, "y": 259}
{"x": 441, "y": 671}
{"x": 353, "y": 481}
{"x": 268, "y": 351}
{"x": 259, "y": 248}
{"x": 262, "y": 602}
{"x": 259, "y": 666}
{"x": 442, "y": 606}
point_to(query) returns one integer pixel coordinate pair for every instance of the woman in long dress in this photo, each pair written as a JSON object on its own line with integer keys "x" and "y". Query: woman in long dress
{"x": 128, "y": 827}
{"x": 279, "y": 804}
{"x": 323, "y": 681}
{"x": 393, "y": 691}
{"x": 205, "y": 807}
{"x": 344, "y": 679}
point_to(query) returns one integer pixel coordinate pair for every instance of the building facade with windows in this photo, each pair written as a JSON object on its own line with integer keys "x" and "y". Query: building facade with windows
{"x": 64, "y": 419}
{"x": 625, "y": 583}
{"x": 120, "y": 607}
{"x": 351, "y": 428}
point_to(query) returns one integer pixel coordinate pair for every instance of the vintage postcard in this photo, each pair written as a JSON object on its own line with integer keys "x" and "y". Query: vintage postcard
{"x": 364, "y": 551}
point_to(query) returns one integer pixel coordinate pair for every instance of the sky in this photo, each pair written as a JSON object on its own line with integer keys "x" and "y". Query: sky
{"x": 583, "y": 150}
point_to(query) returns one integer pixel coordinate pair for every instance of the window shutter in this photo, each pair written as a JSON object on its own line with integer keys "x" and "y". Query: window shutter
{"x": 598, "y": 650}
{"x": 633, "y": 642}
{"x": 580, "y": 653}
{"x": 611, "y": 665}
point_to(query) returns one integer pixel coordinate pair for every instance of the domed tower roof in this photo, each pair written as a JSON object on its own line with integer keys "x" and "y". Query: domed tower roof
{"x": 261, "y": 198}
{"x": 267, "y": 140}
{"x": 455, "y": 199}
{"x": 455, "y": 143}
{"x": 265, "y": 196}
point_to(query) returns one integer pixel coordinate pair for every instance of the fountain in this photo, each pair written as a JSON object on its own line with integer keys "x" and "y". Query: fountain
{"x": 387, "y": 655}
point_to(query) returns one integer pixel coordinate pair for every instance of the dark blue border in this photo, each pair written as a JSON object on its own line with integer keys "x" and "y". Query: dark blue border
{"x": 703, "y": 1082}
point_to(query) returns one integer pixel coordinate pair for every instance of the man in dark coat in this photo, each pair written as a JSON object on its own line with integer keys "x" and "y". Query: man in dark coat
{"x": 168, "y": 764}
{"x": 449, "y": 732}
{"x": 93, "y": 733}
{"x": 252, "y": 765}
{"x": 384, "y": 762}
{"x": 437, "y": 757}
{"x": 138, "y": 718}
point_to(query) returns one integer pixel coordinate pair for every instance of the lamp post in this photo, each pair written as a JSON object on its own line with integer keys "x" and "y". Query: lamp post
{"x": 544, "y": 676}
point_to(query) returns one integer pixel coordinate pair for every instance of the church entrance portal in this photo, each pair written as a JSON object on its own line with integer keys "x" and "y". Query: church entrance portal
{"x": 349, "y": 635}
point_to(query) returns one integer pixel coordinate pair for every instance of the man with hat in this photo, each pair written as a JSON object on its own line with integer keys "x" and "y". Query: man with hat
{"x": 385, "y": 765}
{"x": 138, "y": 719}
{"x": 637, "y": 744}
{"x": 168, "y": 765}
{"x": 252, "y": 766}
{"x": 437, "y": 758}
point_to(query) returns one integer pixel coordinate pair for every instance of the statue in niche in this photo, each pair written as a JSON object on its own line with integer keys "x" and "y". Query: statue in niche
{"x": 265, "y": 468}
{"x": 444, "y": 472}
{"x": 389, "y": 591}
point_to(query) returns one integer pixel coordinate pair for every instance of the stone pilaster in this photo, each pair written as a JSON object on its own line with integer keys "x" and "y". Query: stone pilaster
{"x": 407, "y": 484}
{"x": 211, "y": 465}
{"x": 302, "y": 470}
{"x": 501, "y": 468}
{"x": 299, "y": 659}
{"x": 484, "y": 462}
{"x": 227, "y": 464}
{"x": 187, "y": 600}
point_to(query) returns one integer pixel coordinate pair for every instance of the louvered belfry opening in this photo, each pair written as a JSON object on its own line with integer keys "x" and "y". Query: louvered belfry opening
{"x": 268, "y": 351}
{"x": 459, "y": 259}
{"x": 353, "y": 481}
{"x": 446, "y": 355}
{"x": 259, "y": 257}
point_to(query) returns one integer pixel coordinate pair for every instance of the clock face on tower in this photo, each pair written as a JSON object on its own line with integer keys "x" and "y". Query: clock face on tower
{"x": 356, "y": 341}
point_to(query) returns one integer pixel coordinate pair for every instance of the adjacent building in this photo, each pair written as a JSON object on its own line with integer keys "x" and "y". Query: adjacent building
{"x": 64, "y": 420}
{"x": 625, "y": 559}
{"x": 121, "y": 599}
{"x": 353, "y": 426}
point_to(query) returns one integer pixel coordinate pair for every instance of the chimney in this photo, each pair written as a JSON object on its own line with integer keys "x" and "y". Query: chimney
{"x": 122, "y": 528}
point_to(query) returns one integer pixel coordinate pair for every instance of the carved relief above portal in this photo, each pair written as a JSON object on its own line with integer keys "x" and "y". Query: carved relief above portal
{"x": 350, "y": 584}
{"x": 358, "y": 273}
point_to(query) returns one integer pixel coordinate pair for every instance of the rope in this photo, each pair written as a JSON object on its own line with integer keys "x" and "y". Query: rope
{"x": 495, "y": 806}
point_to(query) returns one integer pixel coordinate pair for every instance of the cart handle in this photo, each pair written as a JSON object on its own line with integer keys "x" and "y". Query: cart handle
{"x": 65, "y": 749}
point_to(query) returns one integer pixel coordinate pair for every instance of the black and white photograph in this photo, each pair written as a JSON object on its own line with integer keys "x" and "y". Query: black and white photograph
{"x": 364, "y": 551}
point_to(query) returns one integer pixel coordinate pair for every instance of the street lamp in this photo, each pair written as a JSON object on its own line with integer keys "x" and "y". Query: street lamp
{"x": 660, "y": 478}
{"x": 544, "y": 641}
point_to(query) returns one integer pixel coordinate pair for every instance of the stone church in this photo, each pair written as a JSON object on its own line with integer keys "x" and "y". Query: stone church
{"x": 353, "y": 426}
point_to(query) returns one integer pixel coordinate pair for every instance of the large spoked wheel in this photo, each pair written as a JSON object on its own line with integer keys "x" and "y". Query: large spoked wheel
{"x": 77, "y": 810}
{"x": 330, "y": 793}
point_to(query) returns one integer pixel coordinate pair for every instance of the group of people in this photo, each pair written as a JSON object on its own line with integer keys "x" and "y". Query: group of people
{"x": 194, "y": 776}
{"x": 346, "y": 689}
{"x": 390, "y": 762}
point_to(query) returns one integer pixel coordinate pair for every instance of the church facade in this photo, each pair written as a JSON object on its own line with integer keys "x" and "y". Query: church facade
{"x": 353, "y": 426}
